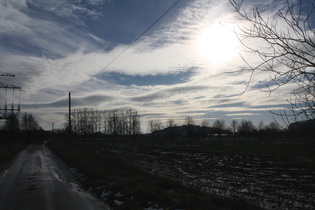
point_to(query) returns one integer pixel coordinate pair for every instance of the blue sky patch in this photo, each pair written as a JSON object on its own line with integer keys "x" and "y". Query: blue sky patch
{"x": 167, "y": 79}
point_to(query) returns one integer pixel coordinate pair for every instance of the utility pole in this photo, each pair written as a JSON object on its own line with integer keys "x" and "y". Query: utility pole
{"x": 25, "y": 126}
{"x": 52, "y": 131}
{"x": 70, "y": 128}
{"x": 25, "y": 121}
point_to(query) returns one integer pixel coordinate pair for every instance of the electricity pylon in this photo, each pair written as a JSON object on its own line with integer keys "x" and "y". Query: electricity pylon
{"x": 13, "y": 109}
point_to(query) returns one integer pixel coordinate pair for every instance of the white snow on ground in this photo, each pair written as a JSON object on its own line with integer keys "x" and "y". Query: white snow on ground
{"x": 269, "y": 182}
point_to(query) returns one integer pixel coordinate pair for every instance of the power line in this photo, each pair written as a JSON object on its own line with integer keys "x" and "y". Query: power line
{"x": 114, "y": 59}
{"x": 132, "y": 43}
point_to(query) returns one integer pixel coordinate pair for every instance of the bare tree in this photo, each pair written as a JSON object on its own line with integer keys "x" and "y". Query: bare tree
{"x": 261, "y": 126}
{"x": 171, "y": 123}
{"x": 273, "y": 126}
{"x": 155, "y": 127}
{"x": 10, "y": 130}
{"x": 234, "y": 125}
{"x": 205, "y": 124}
{"x": 113, "y": 123}
{"x": 12, "y": 124}
{"x": 29, "y": 122}
{"x": 171, "y": 126}
{"x": 99, "y": 120}
{"x": 246, "y": 128}
{"x": 289, "y": 54}
{"x": 113, "y": 120}
{"x": 151, "y": 127}
{"x": 123, "y": 124}
{"x": 219, "y": 125}
{"x": 189, "y": 122}
{"x": 134, "y": 124}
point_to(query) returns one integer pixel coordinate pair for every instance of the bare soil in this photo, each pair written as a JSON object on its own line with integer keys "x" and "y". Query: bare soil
{"x": 267, "y": 181}
{"x": 113, "y": 174}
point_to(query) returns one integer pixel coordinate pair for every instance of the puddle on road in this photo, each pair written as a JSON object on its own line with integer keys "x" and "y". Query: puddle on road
{"x": 5, "y": 173}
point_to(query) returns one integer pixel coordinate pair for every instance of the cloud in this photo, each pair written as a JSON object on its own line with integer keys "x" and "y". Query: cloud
{"x": 34, "y": 29}
{"x": 56, "y": 47}
{"x": 242, "y": 114}
{"x": 170, "y": 78}
{"x": 85, "y": 101}
{"x": 228, "y": 105}
{"x": 168, "y": 93}
{"x": 91, "y": 100}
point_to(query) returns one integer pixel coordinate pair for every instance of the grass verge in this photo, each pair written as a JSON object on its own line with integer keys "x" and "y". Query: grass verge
{"x": 8, "y": 151}
{"x": 124, "y": 186}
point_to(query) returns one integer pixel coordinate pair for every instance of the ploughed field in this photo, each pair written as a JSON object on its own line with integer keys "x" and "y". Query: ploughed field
{"x": 270, "y": 182}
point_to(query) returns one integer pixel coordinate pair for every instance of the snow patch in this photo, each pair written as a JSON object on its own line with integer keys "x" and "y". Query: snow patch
{"x": 118, "y": 203}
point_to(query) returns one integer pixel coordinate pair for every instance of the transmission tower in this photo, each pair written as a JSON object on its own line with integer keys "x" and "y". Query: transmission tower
{"x": 11, "y": 107}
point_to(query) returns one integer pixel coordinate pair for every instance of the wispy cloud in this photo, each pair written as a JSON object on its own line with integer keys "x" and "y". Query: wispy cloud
{"x": 77, "y": 101}
{"x": 54, "y": 47}
{"x": 170, "y": 78}
{"x": 169, "y": 93}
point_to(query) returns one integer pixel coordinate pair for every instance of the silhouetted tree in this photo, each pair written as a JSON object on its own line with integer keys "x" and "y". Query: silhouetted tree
{"x": 272, "y": 130}
{"x": 29, "y": 122}
{"x": 261, "y": 130}
{"x": 303, "y": 129}
{"x": 31, "y": 130}
{"x": 189, "y": 123}
{"x": 12, "y": 124}
{"x": 115, "y": 124}
{"x": 246, "y": 128}
{"x": 155, "y": 127}
{"x": 205, "y": 124}
{"x": 287, "y": 52}
{"x": 134, "y": 124}
{"x": 219, "y": 125}
{"x": 234, "y": 126}
{"x": 10, "y": 129}
{"x": 261, "y": 125}
{"x": 171, "y": 129}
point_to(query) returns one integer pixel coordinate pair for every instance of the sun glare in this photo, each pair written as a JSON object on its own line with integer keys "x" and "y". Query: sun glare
{"x": 217, "y": 44}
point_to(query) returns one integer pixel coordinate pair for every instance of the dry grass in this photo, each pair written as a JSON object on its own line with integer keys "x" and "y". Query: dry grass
{"x": 8, "y": 151}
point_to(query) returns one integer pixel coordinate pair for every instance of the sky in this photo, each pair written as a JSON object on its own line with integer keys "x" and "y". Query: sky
{"x": 97, "y": 50}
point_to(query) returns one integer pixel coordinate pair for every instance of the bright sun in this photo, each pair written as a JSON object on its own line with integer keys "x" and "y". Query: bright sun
{"x": 217, "y": 44}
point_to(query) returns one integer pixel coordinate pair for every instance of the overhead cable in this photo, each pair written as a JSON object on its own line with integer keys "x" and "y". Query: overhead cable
{"x": 132, "y": 43}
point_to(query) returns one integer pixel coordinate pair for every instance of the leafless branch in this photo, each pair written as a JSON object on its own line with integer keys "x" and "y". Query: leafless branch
{"x": 289, "y": 55}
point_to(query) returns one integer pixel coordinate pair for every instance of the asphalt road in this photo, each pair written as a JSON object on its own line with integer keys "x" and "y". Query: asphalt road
{"x": 37, "y": 180}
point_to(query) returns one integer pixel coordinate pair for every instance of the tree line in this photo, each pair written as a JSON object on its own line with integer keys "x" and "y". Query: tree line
{"x": 189, "y": 132}
{"x": 27, "y": 128}
{"x": 113, "y": 124}
{"x": 124, "y": 126}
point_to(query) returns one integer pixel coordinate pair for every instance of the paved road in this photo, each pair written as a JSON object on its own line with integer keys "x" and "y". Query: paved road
{"x": 36, "y": 180}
